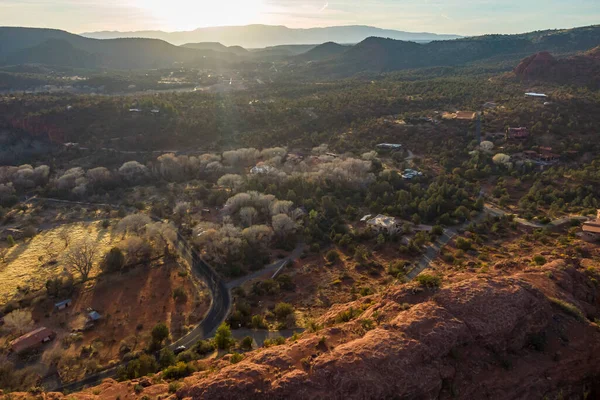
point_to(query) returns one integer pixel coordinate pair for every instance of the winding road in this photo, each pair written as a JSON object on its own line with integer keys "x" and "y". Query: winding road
{"x": 433, "y": 250}
{"x": 219, "y": 308}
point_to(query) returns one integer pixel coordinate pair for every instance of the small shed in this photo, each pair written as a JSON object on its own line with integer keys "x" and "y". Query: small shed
{"x": 61, "y": 305}
{"x": 32, "y": 340}
{"x": 94, "y": 316}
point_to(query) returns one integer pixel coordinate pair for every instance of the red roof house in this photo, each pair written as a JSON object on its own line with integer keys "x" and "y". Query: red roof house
{"x": 517, "y": 133}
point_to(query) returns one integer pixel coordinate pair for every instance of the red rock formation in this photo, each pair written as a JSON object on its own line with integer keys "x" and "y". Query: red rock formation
{"x": 484, "y": 337}
{"x": 582, "y": 69}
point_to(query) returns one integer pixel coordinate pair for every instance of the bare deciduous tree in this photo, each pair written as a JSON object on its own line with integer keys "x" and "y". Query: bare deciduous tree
{"x": 65, "y": 237}
{"x": 136, "y": 249}
{"x": 162, "y": 234}
{"x": 19, "y": 321}
{"x": 81, "y": 257}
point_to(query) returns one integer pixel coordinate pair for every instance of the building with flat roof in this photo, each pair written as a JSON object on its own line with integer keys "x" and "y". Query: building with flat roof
{"x": 591, "y": 229}
{"x": 32, "y": 340}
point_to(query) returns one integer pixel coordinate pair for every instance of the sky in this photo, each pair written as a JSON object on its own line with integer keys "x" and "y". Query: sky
{"x": 465, "y": 17}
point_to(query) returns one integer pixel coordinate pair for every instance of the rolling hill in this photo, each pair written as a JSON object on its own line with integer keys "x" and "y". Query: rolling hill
{"x": 378, "y": 55}
{"x": 216, "y": 46}
{"x": 259, "y": 36}
{"x": 60, "y": 48}
{"x": 322, "y": 52}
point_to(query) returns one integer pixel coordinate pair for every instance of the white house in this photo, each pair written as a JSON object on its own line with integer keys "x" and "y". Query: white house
{"x": 383, "y": 223}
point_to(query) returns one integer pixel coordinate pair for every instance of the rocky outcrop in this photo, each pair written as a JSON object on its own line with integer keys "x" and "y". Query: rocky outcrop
{"x": 582, "y": 69}
{"x": 507, "y": 335}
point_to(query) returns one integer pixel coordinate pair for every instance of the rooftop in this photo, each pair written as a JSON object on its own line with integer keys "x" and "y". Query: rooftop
{"x": 35, "y": 335}
{"x": 383, "y": 221}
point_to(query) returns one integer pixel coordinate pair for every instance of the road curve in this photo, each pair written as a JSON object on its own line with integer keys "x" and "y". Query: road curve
{"x": 219, "y": 308}
{"x": 433, "y": 250}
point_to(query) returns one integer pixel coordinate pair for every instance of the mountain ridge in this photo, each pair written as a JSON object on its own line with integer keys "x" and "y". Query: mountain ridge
{"x": 259, "y": 36}
{"x": 377, "y": 55}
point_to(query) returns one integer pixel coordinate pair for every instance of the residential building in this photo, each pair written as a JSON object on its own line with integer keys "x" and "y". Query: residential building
{"x": 261, "y": 169}
{"x": 389, "y": 146}
{"x": 383, "y": 223}
{"x": 63, "y": 304}
{"x": 536, "y": 95}
{"x": 411, "y": 173}
{"x": 591, "y": 229}
{"x": 32, "y": 340}
{"x": 517, "y": 133}
{"x": 466, "y": 115}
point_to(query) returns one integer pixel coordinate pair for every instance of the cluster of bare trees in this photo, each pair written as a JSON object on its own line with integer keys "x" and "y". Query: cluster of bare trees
{"x": 142, "y": 239}
{"x": 252, "y": 222}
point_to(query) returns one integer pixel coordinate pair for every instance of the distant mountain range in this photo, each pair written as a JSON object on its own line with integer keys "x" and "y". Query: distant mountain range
{"x": 51, "y": 47}
{"x": 259, "y": 36}
{"x": 60, "y": 48}
{"x": 378, "y": 55}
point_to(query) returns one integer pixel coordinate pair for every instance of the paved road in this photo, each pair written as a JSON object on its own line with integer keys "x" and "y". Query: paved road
{"x": 219, "y": 308}
{"x": 272, "y": 268}
{"x": 433, "y": 250}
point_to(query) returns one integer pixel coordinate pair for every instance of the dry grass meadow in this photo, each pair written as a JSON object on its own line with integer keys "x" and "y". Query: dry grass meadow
{"x": 30, "y": 263}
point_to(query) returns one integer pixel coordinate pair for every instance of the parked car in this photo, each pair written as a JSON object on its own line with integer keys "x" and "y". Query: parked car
{"x": 180, "y": 350}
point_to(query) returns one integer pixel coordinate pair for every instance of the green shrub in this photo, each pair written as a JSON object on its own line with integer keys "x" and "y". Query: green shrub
{"x": 427, "y": 280}
{"x": 203, "y": 347}
{"x": 539, "y": 260}
{"x": 332, "y": 256}
{"x": 10, "y": 240}
{"x": 179, "y": 295}
{"x": 279, "y": 340}
{"x": 258, "y": 322}
{"x": 347, "y": 315}
{"x": 160, "y": 332}
{"x": 236, "y": 358}
{"x": 464, "y": 244}
{"x": 282, "y": 310}
{"x": 166, "y": 358}
{"x": 246, "y": 343}
{"x": 174, "y": 387}
{"x": 178, "y": 371}
{"x": 113, "y": 261}
{"x": 223, "y": 338}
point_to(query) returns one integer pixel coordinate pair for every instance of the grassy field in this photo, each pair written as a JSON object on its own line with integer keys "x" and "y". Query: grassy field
{"x": 31, "y": 262}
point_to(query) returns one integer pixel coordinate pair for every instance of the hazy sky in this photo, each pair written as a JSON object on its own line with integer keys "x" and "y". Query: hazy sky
{"x": 468, "y": 17}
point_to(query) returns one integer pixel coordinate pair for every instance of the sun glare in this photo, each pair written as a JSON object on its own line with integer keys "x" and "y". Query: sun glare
{"x": 190, "y": 14}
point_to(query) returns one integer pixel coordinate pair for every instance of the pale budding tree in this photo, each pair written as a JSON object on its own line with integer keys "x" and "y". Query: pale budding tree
{"x": 162, "y": 234}
{"x": 248, "y": 215}
{"x": 231, "y": 181}
{"x": 133, "y": 171}
{"x": 283, "y": 225}
{"x": 136, "y": 250}
{"x": 134, "y": 223}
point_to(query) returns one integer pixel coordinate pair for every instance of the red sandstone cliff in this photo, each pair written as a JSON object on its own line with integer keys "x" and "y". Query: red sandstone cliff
{"x": 582, "y": 69}
{"x": 498, "y": 336}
